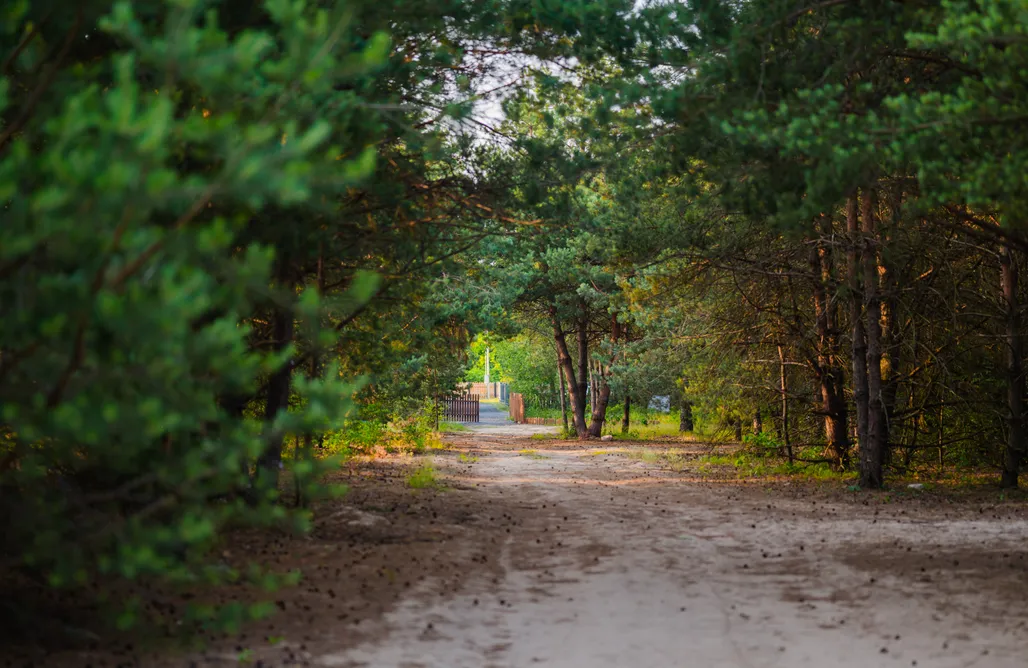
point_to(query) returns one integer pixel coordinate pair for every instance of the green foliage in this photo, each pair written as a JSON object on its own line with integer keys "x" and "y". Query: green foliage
{"x": 127, "y": 270}
{"x": 476, "y": 372}
{"x": 403, "y": 426}
{"x": 763, "y": 444}
{"x": 530, "y": 368}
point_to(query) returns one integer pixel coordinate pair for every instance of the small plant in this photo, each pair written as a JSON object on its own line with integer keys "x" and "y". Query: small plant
{"x": 532, "y": 454}
{"x": 423, "y": 477}
{"x": 466, "y": 458}
{"x": 763, "y": 444}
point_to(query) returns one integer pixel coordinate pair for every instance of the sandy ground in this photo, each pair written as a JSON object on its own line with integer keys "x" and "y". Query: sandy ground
{"x": 546, "y": 553}
{"x": 616, "y": 564}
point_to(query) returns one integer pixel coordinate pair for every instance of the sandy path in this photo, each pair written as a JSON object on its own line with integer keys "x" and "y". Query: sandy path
{"x": 607, "y": 561}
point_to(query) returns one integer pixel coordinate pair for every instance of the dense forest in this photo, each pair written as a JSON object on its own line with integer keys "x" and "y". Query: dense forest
{"x": 242, "y": 239}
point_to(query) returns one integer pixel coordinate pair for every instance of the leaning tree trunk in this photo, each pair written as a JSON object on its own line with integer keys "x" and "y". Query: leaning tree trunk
{"x": 1015, "y": 378}
{"x": 873, "y": 456}
{"x": 577, "y": 391}
{"x": 860, "y": 389}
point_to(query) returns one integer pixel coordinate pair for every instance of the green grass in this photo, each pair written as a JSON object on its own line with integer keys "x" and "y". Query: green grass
{"x": 654, "y": 431}
{"x": 423, "y": 477}
{"x": 671, "y": 459}
{"x": 533, "y": 411}
{"x": 532, "y": 454}
{"x": 747, "y": 465}
{"x": 466, "y": 458}
{"x": 452, "y": 427}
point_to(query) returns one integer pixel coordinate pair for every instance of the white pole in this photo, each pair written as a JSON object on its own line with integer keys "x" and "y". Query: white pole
{"x": 486, "y": 373}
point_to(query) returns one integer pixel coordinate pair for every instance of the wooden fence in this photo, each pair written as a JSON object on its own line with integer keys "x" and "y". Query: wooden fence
{"x": 516, "y": 407}
{"x": 462, "y": 408}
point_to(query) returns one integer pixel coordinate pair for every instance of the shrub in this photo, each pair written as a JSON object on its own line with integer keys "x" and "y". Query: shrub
{"x": 127, "y": 179}
{"x": 423, "y": 477}
{"x": 763, "y": 444}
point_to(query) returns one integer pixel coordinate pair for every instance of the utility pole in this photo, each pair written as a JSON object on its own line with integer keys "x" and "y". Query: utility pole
{"x": 487, "y": 373}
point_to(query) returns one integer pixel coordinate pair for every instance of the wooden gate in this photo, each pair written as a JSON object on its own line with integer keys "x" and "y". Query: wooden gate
{"x": 462, "y": 408}
{"x": 517, "y": 408}
{"x": 517, "y": 413}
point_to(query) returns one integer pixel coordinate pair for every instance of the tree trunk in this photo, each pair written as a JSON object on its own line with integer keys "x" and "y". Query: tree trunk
{"x": 758, "y": 422}
{"x": 626, "y": 419}
{"x": 594, "y": 386}
{"x": 784, "y": 386}
{"x": 563, "y": 394}
{"x": 577, "y": 391}
{"x": 685, "y": 423}
{"x": 603, "y": 389}
{"x": 1015, "y": 378}
{"x": 873, "y": 457}
{"x": 737, "y": 423}
{"x": 860, "y": 389}
{"x": 891, "y": 351}
{"x": 277, "y": 400}
{"x": 583, "y": 369}
{"x": 828, "y": 370}
{"x": 313, "y": 372}
{"x": 599, "y": 415}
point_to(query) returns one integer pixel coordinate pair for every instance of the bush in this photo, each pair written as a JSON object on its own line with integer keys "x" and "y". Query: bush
{"x": 125, "y": 276}
{"x": 763, "y": 444}
{"x": 406, "y": 425}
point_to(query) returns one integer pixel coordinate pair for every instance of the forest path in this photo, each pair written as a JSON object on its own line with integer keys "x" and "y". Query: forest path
{"x": 598, "y": 559}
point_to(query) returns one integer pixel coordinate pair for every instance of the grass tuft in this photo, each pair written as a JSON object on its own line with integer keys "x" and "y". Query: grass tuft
{"x": 423, "y": 477}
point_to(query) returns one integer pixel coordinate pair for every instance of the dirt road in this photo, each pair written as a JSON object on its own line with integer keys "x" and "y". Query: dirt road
{"x": 600, "y": 559}
{"x": 545, "y": 553}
